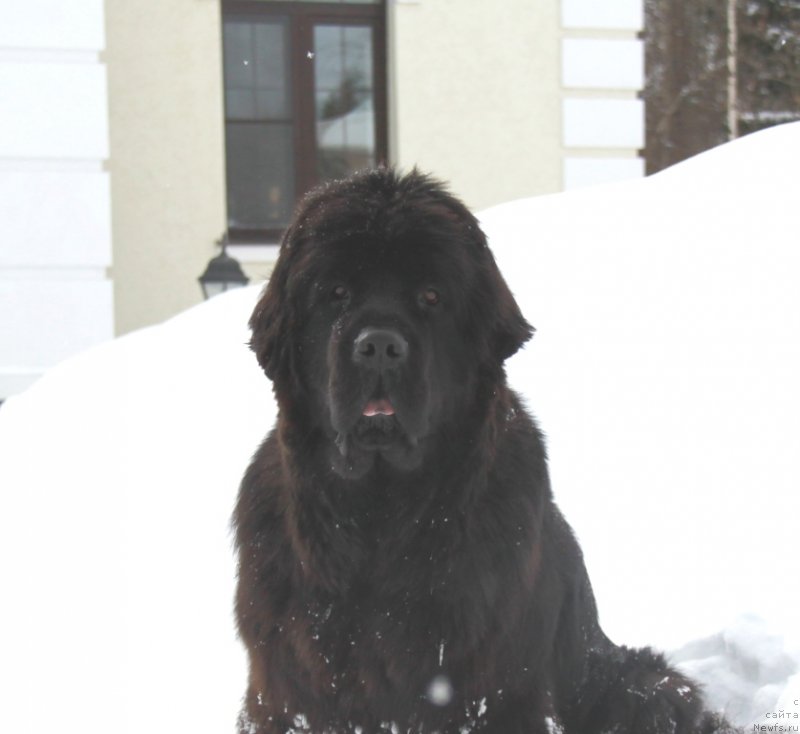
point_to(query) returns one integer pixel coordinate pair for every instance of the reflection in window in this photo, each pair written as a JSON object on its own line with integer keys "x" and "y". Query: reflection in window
{"x": 344, "y": 99}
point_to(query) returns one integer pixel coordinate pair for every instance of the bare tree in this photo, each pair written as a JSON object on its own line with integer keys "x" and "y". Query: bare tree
{"x": 717, "y": 69}
{"x": 769, "y": 63}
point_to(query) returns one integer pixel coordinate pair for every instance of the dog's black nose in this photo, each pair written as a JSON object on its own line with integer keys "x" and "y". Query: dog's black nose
{"x": 380, "y": 349}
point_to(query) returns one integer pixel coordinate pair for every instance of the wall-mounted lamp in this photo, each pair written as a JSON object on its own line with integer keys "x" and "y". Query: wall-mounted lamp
{"x": 223, "y": 273}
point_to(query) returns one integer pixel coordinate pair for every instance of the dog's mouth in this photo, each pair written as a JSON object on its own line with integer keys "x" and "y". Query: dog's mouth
{"x": 377, "y": 406}
{"x": 378, "y": 433}
{"x": 377, "y": 426}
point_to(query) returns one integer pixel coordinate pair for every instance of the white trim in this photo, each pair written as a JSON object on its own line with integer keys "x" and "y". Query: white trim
{"x": 594, "y": 14}
{"x": 48, "y": 56}
{"x": 600, "y": 63}
{"x": 602, "y": 123}
{"x": 52, "y": 274}
{"x": 52, "y": 165}
{"x": 53, "y": 175}
{"x": 60, "y": 111}
{"x": 602, "y": 71}
{"x": 254, "y": 253}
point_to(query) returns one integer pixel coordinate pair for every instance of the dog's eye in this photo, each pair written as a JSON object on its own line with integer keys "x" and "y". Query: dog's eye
{"x": 340, "y": 293}
{"x": 430, "y": 297}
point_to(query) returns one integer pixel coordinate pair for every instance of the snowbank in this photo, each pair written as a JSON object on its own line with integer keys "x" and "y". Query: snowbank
{"x": 119, "y": 471}
{"x": 664, "y": 372}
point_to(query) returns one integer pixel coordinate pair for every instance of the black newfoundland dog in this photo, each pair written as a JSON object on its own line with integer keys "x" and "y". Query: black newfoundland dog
{"x": 402, "y": 565}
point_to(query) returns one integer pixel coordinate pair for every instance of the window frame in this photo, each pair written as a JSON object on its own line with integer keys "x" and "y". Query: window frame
{"x": 302, "y": 17}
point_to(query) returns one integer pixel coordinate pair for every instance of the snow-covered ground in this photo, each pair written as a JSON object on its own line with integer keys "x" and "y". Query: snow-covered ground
{"x": 664, "y": 372}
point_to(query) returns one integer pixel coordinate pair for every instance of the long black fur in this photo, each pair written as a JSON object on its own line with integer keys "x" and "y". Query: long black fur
{"x": 412, "y": 573}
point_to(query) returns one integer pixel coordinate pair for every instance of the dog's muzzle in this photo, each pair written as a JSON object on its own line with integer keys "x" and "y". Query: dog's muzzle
{"x": 380, "y": 350}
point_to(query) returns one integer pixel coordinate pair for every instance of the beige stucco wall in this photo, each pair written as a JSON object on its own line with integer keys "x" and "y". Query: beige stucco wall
{"x": 475, "y": 99}
{"x": 475, "y": 91}
{"x": 167, "y": 152}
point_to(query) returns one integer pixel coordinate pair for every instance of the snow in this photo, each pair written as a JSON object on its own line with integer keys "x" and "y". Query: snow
{"x": 118, "y": 475}
{"x": 664, "y": 373}
{"x": 440, "y": 691}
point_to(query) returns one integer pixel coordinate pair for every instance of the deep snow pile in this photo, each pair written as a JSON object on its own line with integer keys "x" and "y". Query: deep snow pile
{"x": 664, "y": 372}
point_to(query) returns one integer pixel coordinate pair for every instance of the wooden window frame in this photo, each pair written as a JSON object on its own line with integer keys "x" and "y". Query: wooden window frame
{"x": 303, "y": 17}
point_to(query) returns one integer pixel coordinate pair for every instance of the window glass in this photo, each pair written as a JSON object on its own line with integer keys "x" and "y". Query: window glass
{"x": 344, "y": 99}
{"x": 258, "y": 124}
{"x": 260, "y": 175}
{"x": 305, "y": 101}
{"x": 256, "y": 83}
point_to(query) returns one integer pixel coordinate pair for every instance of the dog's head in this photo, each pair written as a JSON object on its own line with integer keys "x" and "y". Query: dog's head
{"x": 384, "y": 315}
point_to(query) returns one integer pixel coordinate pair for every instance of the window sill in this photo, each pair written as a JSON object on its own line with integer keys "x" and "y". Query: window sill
{"x": 255, "y": 253}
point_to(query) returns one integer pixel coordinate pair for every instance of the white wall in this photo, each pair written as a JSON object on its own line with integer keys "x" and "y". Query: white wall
{"x": 612, "y": 15}
{"x": 55, "y": 241}
{"x": 602, "y": 73}
{"x": 603, "y": 63}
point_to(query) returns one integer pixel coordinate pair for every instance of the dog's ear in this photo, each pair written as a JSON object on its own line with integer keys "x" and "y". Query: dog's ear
{"x": 510, "y": 330}
{"x": 507, "y": 328}
{"x": 268, "y": 326}
{"x": 270, "y": 322}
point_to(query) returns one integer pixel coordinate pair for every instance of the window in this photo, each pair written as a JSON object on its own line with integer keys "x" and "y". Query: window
{"x": 305, "y": 101}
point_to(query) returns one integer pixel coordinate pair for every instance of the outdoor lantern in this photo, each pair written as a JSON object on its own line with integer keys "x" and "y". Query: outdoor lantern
{"x": 222, "y": 273}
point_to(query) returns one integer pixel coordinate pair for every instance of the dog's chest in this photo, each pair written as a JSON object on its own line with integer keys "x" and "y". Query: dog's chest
{"x": 375, "y": 636}
{"x": 395, "y": 651}
{"x": 377, "y": 663}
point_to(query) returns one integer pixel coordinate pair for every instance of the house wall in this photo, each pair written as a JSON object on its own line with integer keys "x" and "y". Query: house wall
{"x": 503, "y": 100}
{"x": 476, "y": 94}
{"x": 167, "y": 153}
{"x": 55, "y": 240}
{"x": 475, "y": 99}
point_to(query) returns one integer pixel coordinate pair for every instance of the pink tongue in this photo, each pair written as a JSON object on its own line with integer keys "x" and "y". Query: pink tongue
{"x": 378, "y": 407}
